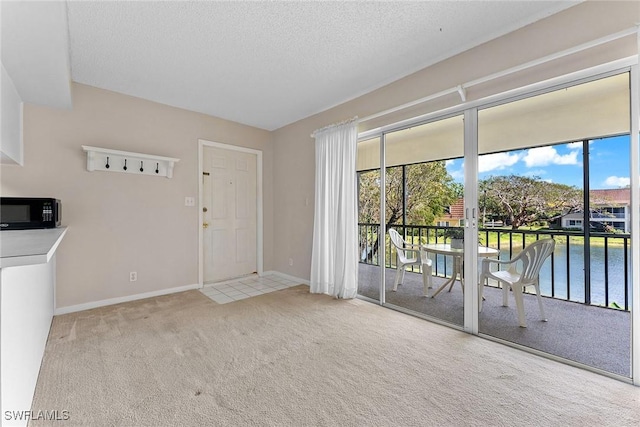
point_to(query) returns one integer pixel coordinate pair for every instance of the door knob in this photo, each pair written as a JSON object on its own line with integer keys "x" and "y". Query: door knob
{"x": 205, "y": 224}
{"x": 204, "y": 209}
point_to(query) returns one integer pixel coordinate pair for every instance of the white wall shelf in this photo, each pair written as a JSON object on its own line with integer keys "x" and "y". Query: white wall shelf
{"x": 104, "y": 159}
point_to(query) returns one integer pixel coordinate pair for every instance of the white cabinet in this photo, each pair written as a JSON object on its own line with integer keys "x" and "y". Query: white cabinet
{"x": 27, "y": 304}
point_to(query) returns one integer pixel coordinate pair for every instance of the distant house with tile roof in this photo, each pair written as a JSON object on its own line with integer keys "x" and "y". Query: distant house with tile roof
{"x": 453, "y": 216}
{"x": 609, "y": 208}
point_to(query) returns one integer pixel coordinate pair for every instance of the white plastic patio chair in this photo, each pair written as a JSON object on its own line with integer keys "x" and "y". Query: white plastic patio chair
{"x": 405, "y": 260}
{"x": 523, "y": 271}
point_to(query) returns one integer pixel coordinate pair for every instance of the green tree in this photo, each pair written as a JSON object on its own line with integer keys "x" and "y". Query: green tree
{"x": 369, "y": 197}
{"x": 458, "y": 190}
{"x": 521, "y": 200}
{"x": 428, "y": 189}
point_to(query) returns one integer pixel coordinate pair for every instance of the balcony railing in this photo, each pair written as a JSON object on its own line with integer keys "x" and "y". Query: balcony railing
{"x": 597, "y": 274}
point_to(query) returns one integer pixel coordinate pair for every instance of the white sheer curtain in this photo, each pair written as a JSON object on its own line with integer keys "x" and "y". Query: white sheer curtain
{"x": 334, "y": 263}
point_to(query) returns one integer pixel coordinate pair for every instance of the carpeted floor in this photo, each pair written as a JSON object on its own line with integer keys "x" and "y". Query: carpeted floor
{"x": 290, "y": 358}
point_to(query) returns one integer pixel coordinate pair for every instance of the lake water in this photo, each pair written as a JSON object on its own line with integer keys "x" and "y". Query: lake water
{"x": 616, "y": 274}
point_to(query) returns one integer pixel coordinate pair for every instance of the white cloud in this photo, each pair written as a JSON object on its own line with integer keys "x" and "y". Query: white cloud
{"x": 457, "y": 174}
{"x": 543, "y": 156}
{"x": 617, "y": 181}
{"x": 451, "y": 168}
{"x": 496, "y": 161}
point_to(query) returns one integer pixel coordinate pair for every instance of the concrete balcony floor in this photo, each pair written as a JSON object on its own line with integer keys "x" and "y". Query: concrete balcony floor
{"x": 595, "y": 336}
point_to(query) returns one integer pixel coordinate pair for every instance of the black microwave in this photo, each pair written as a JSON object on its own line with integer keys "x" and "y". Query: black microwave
{"x": 24, "y": 213}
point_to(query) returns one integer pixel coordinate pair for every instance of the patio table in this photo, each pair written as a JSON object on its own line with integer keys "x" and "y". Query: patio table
{"x": 457, "y": 255}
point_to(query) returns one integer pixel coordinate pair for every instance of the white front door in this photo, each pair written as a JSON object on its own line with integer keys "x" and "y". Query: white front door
{"x": 229, "y": 213}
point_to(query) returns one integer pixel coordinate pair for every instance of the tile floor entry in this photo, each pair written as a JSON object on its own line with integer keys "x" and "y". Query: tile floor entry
{"x": 245, "y": 287}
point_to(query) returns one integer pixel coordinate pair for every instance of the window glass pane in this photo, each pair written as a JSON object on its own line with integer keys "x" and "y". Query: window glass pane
{"x": 556, "y": 166}
{"x": 370, "y": 267}
{"x": 423, "y": 201}
{"x": 588, "y": 111}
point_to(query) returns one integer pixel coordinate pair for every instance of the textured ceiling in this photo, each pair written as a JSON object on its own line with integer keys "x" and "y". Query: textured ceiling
{"x": 268, "y": 64}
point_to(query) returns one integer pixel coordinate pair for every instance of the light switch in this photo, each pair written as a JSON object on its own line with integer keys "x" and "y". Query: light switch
{"x": 189, "y": 201}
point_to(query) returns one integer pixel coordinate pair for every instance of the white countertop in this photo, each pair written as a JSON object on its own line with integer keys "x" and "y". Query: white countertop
{"x": 27, "y": 247}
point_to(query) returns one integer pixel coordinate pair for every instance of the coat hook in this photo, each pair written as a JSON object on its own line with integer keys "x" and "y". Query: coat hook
{"x": 141, "y": 166}
{"x": 157, "y": 169}
{"x": 107, "y": 165}
{"x": 125, "y": 164}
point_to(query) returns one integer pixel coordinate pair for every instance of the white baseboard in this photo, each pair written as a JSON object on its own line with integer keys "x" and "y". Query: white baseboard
{"x": 118, "y": 300}
{"x": 288, "y": 277}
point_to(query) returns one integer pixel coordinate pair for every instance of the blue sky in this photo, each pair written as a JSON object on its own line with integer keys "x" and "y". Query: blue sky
{"x": 608, "y": 163}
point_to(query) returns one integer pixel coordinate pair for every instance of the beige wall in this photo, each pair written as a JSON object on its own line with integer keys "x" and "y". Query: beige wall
{"x": 121, "y": 222}
{"x": 294, "y": 149}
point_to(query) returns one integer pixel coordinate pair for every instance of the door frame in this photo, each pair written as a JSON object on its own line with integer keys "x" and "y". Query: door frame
{"x": 202, "y": 143}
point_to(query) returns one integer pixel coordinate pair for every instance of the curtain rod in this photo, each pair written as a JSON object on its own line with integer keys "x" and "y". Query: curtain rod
{"x": 461, "y": 89}
{"x": 344, "y": 122}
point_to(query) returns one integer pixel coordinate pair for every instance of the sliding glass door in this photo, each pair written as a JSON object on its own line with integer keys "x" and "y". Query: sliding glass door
{"x": 369, "y": 199}
{"x": 423, "y": 203}
{"x": 556, "y": 166}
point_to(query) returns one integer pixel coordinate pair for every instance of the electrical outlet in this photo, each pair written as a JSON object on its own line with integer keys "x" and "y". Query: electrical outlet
{"x": 189, "y": 201}
{"x": 133, "y": 276}
{"x": 291, "y": 261}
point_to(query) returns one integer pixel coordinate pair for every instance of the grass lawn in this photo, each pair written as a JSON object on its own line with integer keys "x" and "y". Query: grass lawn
{"x": 530, "y": 235}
